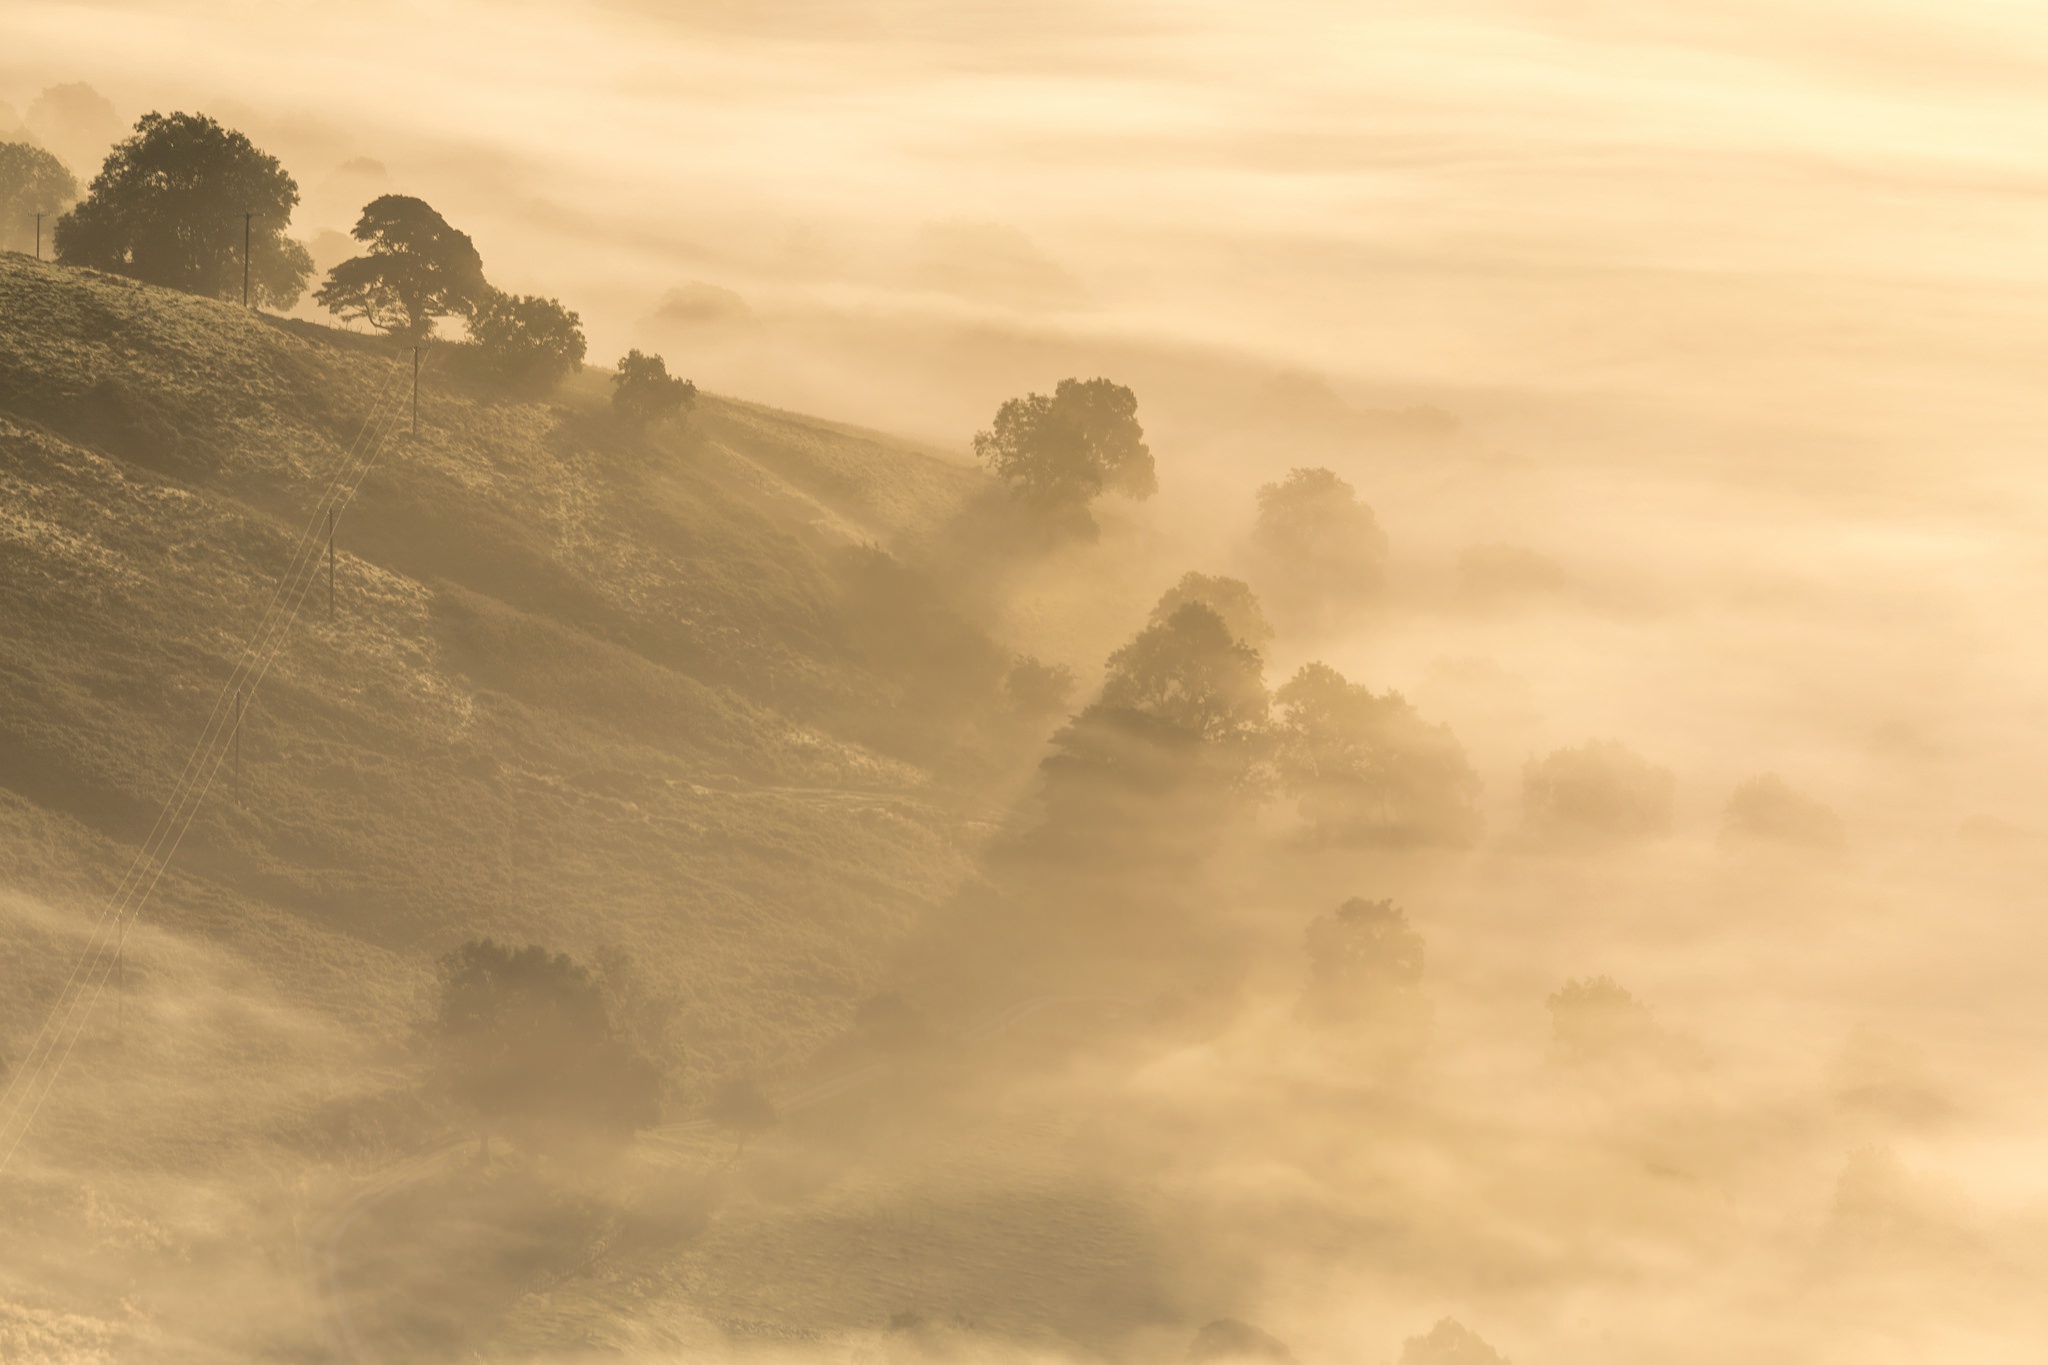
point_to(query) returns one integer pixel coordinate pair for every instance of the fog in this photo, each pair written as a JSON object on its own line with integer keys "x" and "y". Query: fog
{"x": 1685, "y": 360}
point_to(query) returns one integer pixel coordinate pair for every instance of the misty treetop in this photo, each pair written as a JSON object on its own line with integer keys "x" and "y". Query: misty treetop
{"x": 1600, "y": 792}
{"x": 1367, "y": 770}
{"x": 1319, "y": 551}
{"x": 167, "y": 207}
{"x": 526, "y": 344}
{"x": 31, "y": 182}
{"x": 1230, "y": 598}
{"x": 1190, "y": 671}
{"x": 418, "y": 269}
{"x": 1059, "y": 453}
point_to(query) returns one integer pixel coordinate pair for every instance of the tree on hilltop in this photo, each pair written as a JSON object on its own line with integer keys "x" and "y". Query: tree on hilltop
{"x": 643, "y": 391}
{"x": 526, "y": 344}
{"x": 1230, "y": 598}
{"x": 168, "y": 206}
{"x": 1060, "y": 453}
{"x": 31, "y": 182}
{"x": 1190, "y": 671}
{"x": 417, "y": 269}
{"x": 1319, "y": 550}
{"x": 1367, "y": 770}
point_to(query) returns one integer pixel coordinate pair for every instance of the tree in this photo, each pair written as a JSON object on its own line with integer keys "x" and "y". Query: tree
{"x": 1596, "y": 1020}
{"x": 739, "y": 1107}
{"x": 1189, "y": 671}
{"x": 526, "y": 1043}
{"x": 526, "y": 344}
{"x": 1320, "y": 551}
{"x": 168, "y": 206}
{"x": 1600, "y": 793}
{"x": 1036, "y": 688}
{"x": 417, "y": 269}
{"x": 1450, "y": 1343}
{"x": 1367, "y": 770}
{"x": 1766, "y": 809}
{"x": 31, "y": 182}
{"x": 1230, "y": 598}
{"x": 1359, "y": 955}
{"x": 1060, "y": 453}
{"x": 643, "y": 392}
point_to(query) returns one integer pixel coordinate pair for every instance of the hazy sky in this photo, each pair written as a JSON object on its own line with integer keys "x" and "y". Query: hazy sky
{"x": 1820, "y": 217}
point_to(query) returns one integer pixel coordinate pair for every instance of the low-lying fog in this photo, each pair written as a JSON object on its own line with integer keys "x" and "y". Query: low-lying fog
{"x": 1735, "y": 310}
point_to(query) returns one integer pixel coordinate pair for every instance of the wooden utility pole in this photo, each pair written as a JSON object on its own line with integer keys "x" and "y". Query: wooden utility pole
{"x": 39, "y": 234}
{"x": 247, "y": 218}
{"x": 238, "y": 745}
{"x": 330, "y": 563}
{"x": 415, "y": 393}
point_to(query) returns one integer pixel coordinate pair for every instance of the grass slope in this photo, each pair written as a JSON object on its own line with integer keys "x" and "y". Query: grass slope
{"x": 580, "y": 686}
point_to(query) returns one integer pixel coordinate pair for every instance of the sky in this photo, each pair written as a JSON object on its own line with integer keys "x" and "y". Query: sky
{"x": 1792, "y": 225}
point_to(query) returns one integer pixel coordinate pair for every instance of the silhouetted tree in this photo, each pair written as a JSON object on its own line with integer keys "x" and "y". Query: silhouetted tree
{"x": 643, "y": 391}
{"x": 1038, "y": 689}
{"x": 525, "y": 343}
{"x": 1360, "y": 957}
{"x": 1368, "y": 770}
{"x": 1228, "y": 1339}
{"x": 1601, "y": 792}
{"x": 739, "y": 1107}
{"x": 417, "y": 269}
{"x": 1191, "y": 672}
{"x": 1319, "y": 549}
{"x": 167, "y": 208}
{"x": 1450, "y": 1343}
{"x": 1230, "y": 598}
{"x": 526, "y": 1044}
{"x": 1766, "y": 809}
{"x": 31, "y": 182}
{"x": 1060, "y": 453}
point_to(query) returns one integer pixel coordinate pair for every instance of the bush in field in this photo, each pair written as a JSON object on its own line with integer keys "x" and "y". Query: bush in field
{"x": 1060, "y": 453}
{"x": 1601, "y": 792}
{"x": 523, "y": 1040}
{"x": 31, "y": 182}
{"x": 526, "y": 344}
{"x": 644, "y": 393}
{"x": 167, "y": 208}
{"x": 1367, "y": 770}
{"x": 418, "y": 269}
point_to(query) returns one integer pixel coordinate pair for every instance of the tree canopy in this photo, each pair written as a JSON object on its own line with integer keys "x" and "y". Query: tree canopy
{"x": 643, "y": 391}
{"x": 1191, "y": 672}
{"x": 1230, "y": 598}
{"x": 1060, "y": 453}
{"x": 526, "y": 1043}
{"x": 526, "y": 344}
{"x": 417, "y": 269}
{"x": 1601, "y": 792}
{"x": 1320, "y": 550}
{"x": 168, "y": 206}
{"x": 31, "y": 182}
{"x": 1363, "y": 957}
{"x": 1367, "y": 769}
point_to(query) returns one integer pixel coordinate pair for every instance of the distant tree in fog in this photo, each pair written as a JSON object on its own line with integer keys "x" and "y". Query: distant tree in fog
{"x": 525, "y": 1042}
{"x": 1230, "y": 598}
{"x": 1319, "y": 550}
{"x": 1228, "y": 1339}
{"x": 643, "y": 391}
{"x": 1450, "y": 1343}
{"x": 1766, "y": 809}
{"x": 1359, "y": 955}
{"x": 1596, "y": 1020}
{"x": 526, "y": 344}
{"x": 167, "y": 208}
{"x": 31, "y": 182}
{"x": 739, "y": 1107}
{"x": 1038, "y": 689}
{"x": 1601, "y": 792}
{"x": 417, "y": 269}
{"x": 1060, "y": 453}
{"x": 1367, "y": 770}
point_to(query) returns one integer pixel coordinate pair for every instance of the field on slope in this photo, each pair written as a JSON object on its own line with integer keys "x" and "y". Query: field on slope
{"x": 579, "y": 686}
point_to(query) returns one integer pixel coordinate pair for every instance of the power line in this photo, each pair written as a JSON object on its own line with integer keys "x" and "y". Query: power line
{"x": 32, "y": 1083}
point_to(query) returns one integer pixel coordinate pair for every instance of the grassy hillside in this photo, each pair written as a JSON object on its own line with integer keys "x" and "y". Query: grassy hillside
{"x": 579, "y": 686}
